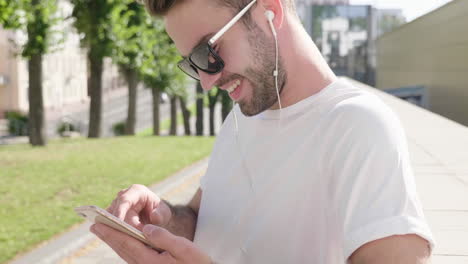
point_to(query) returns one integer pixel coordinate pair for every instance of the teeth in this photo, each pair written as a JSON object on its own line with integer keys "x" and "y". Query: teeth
{"x": 233, "y": 86}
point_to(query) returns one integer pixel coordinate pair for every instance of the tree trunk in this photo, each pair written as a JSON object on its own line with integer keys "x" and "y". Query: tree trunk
{"x": 212, "y": 124}
{"x": 131, "y": 77}
{"x": 95, "y": 90}
{"x": 226, "y": 105}
{"x": 36, "y": 105}
{"x": 199, "y": 119}
{"x": 212, "y": 103}
{"x": 173, "y": 126}
{"x": 186, "y": 115}
{"x": 156, "y": 103}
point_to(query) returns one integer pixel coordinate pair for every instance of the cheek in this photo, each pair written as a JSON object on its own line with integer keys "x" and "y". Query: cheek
{"x": 234, "y": 60}
{"x": 236, "y": 55}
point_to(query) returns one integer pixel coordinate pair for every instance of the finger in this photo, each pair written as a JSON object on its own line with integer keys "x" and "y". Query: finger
{"x": 127, "y": 199}
{"x": 128, "y": 248}
{"x": 122, "y": 191}
{"x": 163, "y": 239}
{"x": 122, "y": 208}
{"x": 111, "y": 207}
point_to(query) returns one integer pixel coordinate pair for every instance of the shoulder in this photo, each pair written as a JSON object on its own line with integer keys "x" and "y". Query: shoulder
{"x": 363, "y": 116}
{"x": 362, "y": 107}
{"x": 362, "y": 128}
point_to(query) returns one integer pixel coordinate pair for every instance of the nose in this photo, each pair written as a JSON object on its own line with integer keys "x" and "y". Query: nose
{"x": 207, "y": 81}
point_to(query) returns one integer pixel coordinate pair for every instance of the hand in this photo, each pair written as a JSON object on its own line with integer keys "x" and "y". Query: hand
{"x": 138, "y": 206}
{"x": 177, "y": 249}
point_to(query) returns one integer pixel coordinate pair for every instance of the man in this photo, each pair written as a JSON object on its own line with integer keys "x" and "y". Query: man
{"x": 306, "y": 169}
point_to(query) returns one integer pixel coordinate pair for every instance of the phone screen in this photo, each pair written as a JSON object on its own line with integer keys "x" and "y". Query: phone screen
{"x": 98, "y": 215}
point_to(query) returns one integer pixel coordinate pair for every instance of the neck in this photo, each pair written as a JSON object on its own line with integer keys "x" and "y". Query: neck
{"x": 307, "y": 71}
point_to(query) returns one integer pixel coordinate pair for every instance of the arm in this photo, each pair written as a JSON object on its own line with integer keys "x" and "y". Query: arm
{"x": 183, "y": 219}
{"x": 404, "y": 249}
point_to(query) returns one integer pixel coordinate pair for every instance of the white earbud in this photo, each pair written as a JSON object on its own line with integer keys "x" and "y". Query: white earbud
{"x": 269, "y": 15}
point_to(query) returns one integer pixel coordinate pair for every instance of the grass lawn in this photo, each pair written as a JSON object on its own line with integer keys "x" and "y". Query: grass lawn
{"x": 41, "y": 186}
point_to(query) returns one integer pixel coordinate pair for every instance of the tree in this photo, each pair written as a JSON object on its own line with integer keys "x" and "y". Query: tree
{"x": 130, "y": 22}
{"x": 177, "y": 89}
{"x": 10, "y": 14}
{"x": 36, "y": 18}
{"x": 199, "y": 111}
{"x": 156, "y": 83}
{"x": 159, "y": 70}
{"x": 173, "y": 115}
{"x": 92, "y": 21}
{"x": 226, "y": 105}
{"x": 213, "y": 95}
{"x": 156, "y": 116}
{"x": 185, "y": 115}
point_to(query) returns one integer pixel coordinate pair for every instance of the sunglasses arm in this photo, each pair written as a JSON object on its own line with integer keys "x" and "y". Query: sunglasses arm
{"x": 230, "y": 23}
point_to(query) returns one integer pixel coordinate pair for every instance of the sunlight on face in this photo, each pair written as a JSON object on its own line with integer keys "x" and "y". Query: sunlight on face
{"x": 248, "y": 54}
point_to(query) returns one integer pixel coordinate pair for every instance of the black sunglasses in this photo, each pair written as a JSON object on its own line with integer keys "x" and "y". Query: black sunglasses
{"x": 203, "y": 57}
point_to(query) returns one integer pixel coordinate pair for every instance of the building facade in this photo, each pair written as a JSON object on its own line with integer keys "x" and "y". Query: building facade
{"x": 346, "y": 34}
{"x": 431, "y": 51}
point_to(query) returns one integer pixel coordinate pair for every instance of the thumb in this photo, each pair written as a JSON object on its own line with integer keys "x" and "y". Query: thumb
{"x": 163, "y": 239}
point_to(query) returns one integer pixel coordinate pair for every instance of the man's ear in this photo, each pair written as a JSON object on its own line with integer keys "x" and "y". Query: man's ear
{"x": 276, "y": 6}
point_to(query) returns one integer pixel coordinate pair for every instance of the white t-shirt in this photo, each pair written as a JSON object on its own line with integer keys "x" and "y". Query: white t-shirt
{"x": 332, "y": 175}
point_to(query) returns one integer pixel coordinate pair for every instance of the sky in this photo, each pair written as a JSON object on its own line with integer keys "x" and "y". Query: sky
{"x": 412, "y": 9}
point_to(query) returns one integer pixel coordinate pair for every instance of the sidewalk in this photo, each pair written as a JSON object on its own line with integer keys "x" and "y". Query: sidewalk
{"x": 114, "y": 109}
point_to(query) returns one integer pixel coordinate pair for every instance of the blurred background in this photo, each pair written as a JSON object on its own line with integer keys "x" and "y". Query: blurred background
{"x": 412, "y": 49}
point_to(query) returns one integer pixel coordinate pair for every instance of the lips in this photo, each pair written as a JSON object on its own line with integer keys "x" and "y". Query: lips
{"x": 236, "y": 93}
{"x": 233, "y": 88}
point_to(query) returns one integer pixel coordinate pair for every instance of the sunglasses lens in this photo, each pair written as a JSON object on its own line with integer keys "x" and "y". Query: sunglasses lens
{"x": 186, "y": 67}
{"x": 206, "y": 59}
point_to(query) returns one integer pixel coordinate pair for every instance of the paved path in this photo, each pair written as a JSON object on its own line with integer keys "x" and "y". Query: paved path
{"x": 114, "y": 109}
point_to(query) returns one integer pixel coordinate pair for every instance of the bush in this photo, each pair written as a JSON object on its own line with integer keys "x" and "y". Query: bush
{"x": 66, "y": 127}
{"x": 119, "y": 128}
{"x": 17, "y": 123}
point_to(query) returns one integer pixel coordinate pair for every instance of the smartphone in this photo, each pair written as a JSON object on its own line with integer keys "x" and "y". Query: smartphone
{"x": 98, "y": 215}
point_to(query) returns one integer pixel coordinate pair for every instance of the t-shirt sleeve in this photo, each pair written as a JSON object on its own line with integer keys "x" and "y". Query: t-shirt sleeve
{"x": 203, "y": 182}
{"x": 371, "y": 185}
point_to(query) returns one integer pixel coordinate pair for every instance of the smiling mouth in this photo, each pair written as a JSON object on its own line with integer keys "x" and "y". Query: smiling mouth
{"x": 233, "y": 86}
